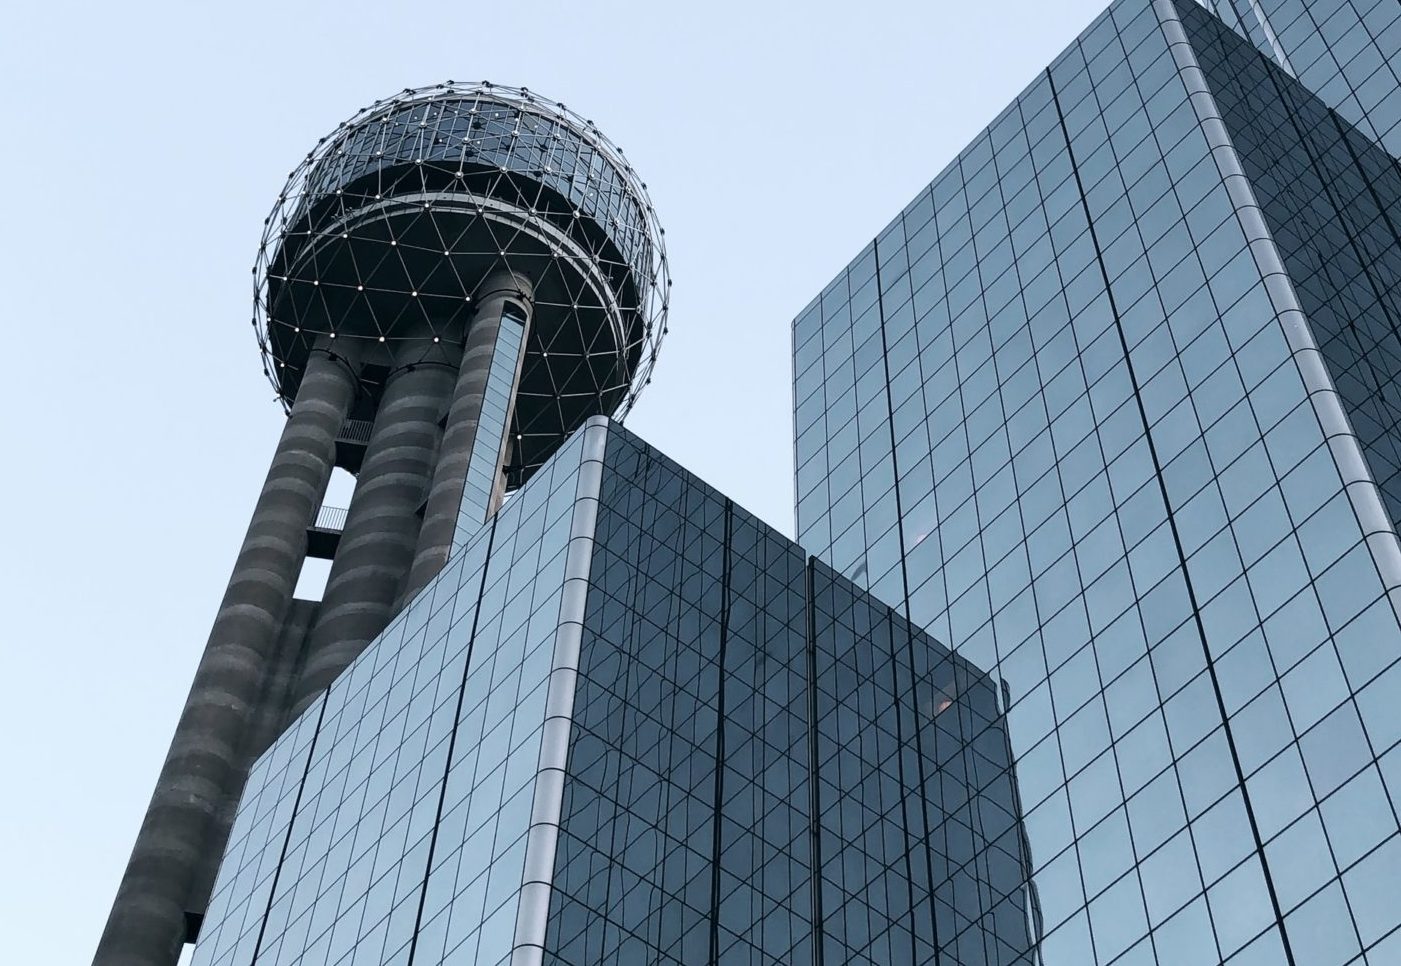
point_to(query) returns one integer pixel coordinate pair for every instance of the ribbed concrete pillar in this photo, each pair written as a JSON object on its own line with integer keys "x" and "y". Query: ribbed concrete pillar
{"x": 187, "y": 823}
{"x": 464, "y": 417}
{"x": 381, "y": 528}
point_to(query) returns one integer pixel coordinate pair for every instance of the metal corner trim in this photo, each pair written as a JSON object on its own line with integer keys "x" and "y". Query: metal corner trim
{"x": 1343, "y": 444}
{"x": 537, "y": 877}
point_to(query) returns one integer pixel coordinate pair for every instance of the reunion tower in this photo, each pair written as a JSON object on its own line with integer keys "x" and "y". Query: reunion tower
{"x": 451, "y": 282}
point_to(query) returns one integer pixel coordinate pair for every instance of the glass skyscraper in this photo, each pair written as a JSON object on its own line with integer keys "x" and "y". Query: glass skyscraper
{"x": 1110, "y": 407}
{"x": 630, "y": 723}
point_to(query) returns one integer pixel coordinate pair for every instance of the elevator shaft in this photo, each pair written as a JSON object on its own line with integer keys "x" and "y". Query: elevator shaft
{"x": 505, "y": 298}
{"x": 382, "y": 526}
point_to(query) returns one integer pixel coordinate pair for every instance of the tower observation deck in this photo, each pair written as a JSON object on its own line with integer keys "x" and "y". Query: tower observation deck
{"x": 450, "y": 284}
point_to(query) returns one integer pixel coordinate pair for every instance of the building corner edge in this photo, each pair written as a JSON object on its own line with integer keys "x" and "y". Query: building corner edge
{"x": 537, "y": 881}
{"x": 1358, "y": 481}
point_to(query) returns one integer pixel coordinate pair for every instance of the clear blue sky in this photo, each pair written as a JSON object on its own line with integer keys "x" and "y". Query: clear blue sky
{"x": 145, "y": 143}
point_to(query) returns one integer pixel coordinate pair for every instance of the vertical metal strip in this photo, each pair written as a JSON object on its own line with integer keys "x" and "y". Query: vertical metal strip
{"x": 717, "y": 842}
{"x": 1270, "y": 37}
{"x": 814, "y": 796}
{"x": 542, "y": 841}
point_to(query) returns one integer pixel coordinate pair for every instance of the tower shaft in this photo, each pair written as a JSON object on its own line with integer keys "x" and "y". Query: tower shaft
{"x": 381, "y": 530}
{"x": 436, "y": 450}
{"x": 502, "y": 294}
{"x": 496, "y": 270}
{"x": 172, "y": 865}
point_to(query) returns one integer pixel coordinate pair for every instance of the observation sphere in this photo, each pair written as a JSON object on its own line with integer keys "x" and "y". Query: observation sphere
{"x": 385, "y": 232}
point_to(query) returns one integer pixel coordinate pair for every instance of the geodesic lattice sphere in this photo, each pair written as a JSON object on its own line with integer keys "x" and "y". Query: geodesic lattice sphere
{"x": 385, "y": 232}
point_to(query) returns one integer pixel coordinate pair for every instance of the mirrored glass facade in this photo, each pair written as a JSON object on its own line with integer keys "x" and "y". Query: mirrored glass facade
{"x": 732, "y": 689}
{"x": 1332, "y": 200}
{"x": 1342, "y": 50}
{"x": 1108, "y": 408}
{"x": 630, "y": 723}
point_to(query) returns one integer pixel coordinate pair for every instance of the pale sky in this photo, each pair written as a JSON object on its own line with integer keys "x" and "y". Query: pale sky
{"x": 147, "y": 143}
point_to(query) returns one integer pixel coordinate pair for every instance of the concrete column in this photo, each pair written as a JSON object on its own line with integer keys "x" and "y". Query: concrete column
{"x": 464, "y": 416}
{"x": 381, "y": 529}
{"x": 186, "y": 826}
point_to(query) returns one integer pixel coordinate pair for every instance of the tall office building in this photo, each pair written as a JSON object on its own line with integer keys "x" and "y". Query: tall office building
{"x": 1111, "y": 408}
{"x": 629, "y": 723}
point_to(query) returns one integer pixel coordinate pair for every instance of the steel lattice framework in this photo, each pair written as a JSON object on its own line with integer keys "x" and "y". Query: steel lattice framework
{"x": 388, "y": 227}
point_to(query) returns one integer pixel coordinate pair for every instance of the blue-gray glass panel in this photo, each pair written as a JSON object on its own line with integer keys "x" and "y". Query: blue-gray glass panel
{"x": 469, "y": 902}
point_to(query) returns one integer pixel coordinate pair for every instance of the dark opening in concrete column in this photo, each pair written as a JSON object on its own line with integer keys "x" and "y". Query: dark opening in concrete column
{"x": 186, "y": 827}
{"x": 381, "y": 528}
{"x": 502, "y": 293}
